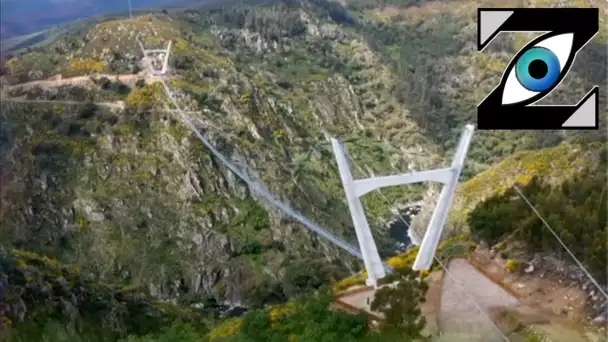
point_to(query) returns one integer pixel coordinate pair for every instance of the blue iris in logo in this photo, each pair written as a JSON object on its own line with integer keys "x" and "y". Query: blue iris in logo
{"x": 538, "y": 69}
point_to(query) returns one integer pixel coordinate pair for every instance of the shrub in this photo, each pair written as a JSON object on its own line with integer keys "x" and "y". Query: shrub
{"x": 178, "y": 331}
{"x": 306, "y": 276}
{"x": 500, "y": 247}
{"x": 87, "y": 65}
{"x": 404, "y": 260}
{"x": 346, "y": 283}
{"x": 533, "y": 337}
{"x": 146, "y": 97}
{"x": 228, "y": 328}
{"x": 513, "y": 265}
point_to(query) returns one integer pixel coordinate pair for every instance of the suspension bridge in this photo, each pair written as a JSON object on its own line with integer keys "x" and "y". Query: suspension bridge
{"x": 354, "y": 189}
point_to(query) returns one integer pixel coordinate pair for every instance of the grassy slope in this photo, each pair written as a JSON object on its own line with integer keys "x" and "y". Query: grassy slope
{"x": 554, "y": 165}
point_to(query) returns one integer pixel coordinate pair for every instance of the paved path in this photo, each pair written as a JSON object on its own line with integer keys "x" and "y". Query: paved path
{"x": 361, "y": 300}
{"x": 458, "y": 312}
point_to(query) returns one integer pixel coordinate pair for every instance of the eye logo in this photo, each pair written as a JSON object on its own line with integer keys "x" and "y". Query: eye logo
{"x": 538, "y": 68}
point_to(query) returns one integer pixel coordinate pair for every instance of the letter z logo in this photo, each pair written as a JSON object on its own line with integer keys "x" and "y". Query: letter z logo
{"x": 538, "y": 68}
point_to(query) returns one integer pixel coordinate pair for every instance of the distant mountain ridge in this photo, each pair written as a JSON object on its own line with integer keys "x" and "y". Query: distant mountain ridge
{"x": 18, "y": 17}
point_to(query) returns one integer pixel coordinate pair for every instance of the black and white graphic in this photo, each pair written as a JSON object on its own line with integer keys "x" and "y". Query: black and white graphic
{"x": 538, "y": 68}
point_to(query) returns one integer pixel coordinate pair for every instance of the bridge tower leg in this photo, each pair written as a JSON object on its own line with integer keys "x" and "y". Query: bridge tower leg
{"x": 354, "y": 189}
{"x": 166, "y": 61}
{"x": 428, "y": 246}
{"x": 371, "y": 258}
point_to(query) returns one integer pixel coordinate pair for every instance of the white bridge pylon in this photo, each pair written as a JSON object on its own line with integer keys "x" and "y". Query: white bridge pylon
{"x": 150, "y": 54}
{"x": 355, "y": 188}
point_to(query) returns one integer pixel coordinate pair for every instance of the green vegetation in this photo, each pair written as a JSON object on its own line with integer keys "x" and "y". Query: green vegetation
{"x": 554, "y": 164}
{"x": 400, "y": 305}
{"x": 312, "y": 319}
{"x": 46, "y": 298}
{"x": 566, "y": 185}
{"x": 87, "y": 66}
{"x": 441, "y": 80}
{"x": 145, "y": 98}
{"x": 131, "y": 197}
{"x": 50, "y": 301}
{"x": 573, "y": 210}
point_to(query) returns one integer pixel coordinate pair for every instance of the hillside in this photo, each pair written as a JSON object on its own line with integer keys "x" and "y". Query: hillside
{"x": 569, "y": 177}
{"x": 130, "y": 195}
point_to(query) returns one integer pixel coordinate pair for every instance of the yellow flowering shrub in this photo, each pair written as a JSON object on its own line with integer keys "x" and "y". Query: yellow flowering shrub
{"x": 512, "y": 265}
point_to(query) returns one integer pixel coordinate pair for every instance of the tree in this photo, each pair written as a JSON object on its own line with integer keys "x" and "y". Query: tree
{"x": 492, "y": 219}
{"x": 399, "y": 303}
{"x": 257, "y": 327}
{"x": 183, "y": 62}
{"x": 265, "y": 292}
{"x": 306, "y": 320}
{"x": 573, "y": 210}
{"x": 335, "y": 327}
{"x": 305, "y": 276}
{"x": 314, "y": 321}
{"x": 176, "y": 332}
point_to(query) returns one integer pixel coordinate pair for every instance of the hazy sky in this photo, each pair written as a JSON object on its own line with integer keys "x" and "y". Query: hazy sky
{"x": 26, "y": 1}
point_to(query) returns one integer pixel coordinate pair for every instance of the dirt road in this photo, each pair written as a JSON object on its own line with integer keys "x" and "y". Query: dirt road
{"x": 78, "y": 80}
{"x": 117, "y": 104}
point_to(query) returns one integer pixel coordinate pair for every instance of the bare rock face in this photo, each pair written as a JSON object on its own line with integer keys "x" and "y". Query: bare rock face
{"x": 331, "y": 32}
{"x": 600, "y": 320}
{"x": 420, "y": 222}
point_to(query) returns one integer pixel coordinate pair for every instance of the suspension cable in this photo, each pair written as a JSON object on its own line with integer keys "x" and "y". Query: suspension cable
{"x": 552, "y": 231}
{"x": 256, "y": 186}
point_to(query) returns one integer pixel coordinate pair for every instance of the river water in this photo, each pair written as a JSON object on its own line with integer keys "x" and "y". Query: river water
{"x": 399, "y": 228}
